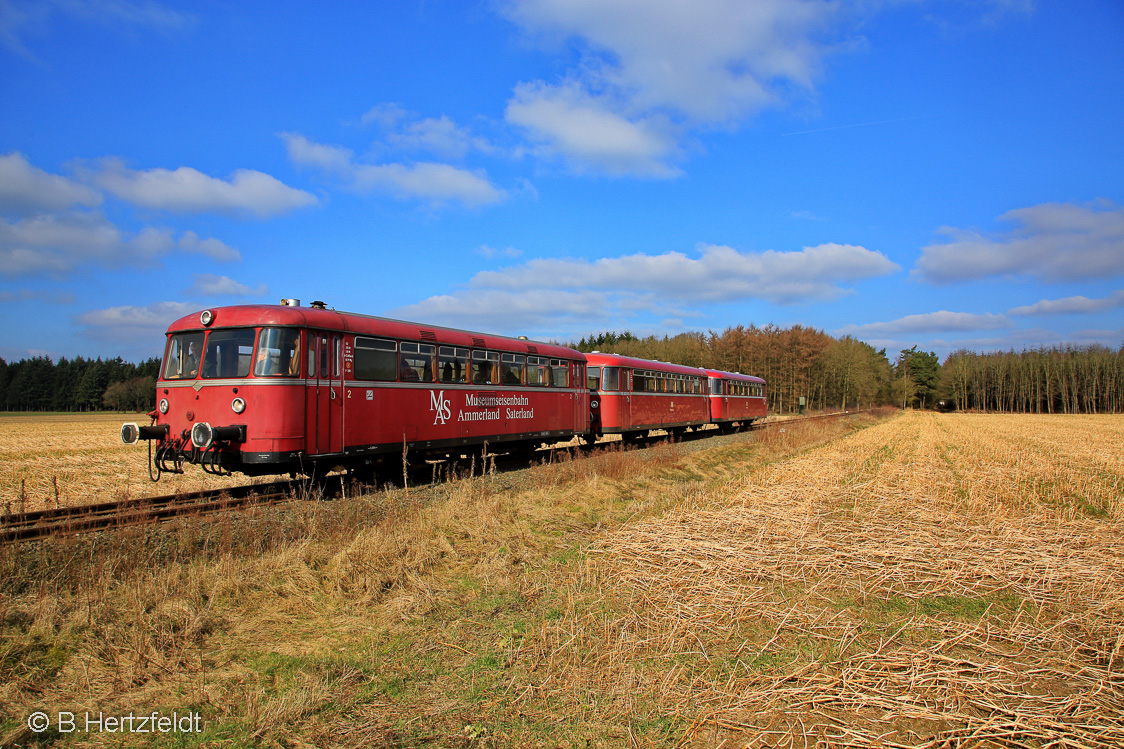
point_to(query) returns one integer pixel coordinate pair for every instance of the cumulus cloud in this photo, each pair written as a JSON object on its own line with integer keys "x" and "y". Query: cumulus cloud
{"x": 434, "y": 182}
{"x": 440, "y": 136}
{"x": 27, "y": 189}
{"x": 134, "y": 323}
{"x": 499, "y": 310}
{"x": 212, "y": 248}
{"x": 209, "y": 284}
{"x": 56, "y": 244}
{"x": 1071, "y": 305}
{"x": 929, "y": 322}
{"x": 649, "y": 62}
{"x": 551, "y": 295}
{"x": 186, "y": 190}
{"x": 1052, "y": 242}
{"x": 720, "y": 273}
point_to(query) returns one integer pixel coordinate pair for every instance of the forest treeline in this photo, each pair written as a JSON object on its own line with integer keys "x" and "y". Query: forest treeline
{"x": 796, "y": 362}
{"x": 40, "y": 384}
{"x": 844, "y": 372}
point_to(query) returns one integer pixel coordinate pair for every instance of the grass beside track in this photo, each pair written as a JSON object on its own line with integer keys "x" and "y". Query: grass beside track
{"x": 907, "y": 581}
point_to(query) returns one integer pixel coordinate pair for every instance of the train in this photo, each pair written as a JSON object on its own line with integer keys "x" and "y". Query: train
{"x": 308, "y": 390}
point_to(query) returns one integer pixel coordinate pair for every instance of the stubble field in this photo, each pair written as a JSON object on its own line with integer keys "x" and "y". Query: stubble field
{"x": 81, "y": 456}
{"x": 922, "y": 581}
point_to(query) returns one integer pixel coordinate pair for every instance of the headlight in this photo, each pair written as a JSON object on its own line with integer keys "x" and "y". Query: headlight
{"x": 202, "y": 436}
{"x": 163, "y": 405}
{"x": 207, "y": 317}
{"x": 238, "y": 405}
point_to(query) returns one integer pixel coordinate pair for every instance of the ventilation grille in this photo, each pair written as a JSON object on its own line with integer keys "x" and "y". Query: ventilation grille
{"x": 428, "y": 335}
{"x": 478, "y": 342}
{"x": 532, "y": 349}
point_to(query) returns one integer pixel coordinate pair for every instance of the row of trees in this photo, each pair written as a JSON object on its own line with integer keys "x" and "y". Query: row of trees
{"x": 844, "y": 372}
{"x": 797, "y": 361}
{"x": 1067, "y": 379}
{"x": 78, "y": 384}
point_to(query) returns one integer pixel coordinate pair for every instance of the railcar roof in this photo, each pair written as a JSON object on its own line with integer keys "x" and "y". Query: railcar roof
{"x": 250, "y": 315}
{"x": 732, "y": 375}
{"x": 616, "y": 360}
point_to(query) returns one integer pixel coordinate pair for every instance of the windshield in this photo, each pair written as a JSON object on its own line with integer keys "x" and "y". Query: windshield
{"x": 182, "y": 359}
{"x": 228, "y": 353}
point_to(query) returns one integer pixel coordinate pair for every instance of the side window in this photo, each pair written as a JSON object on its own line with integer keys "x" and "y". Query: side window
{"x": 593, "y": 378}
{"x": 452, "y": 363}
{"x": 485, "y": 367}
{"x": 182, "y": 360}
{"x": 537, "y": 370}
{"x": 279, "y": 353}
{"x": 511, "y": 369}
{"x": 416, "y": 364}
{"x": 559, "y": 373}
{"x": 610, "y": 381}
{"x": 375, "y": 359}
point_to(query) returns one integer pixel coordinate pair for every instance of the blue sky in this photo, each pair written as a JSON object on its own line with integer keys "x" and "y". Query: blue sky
{"x": 942, "y": 174}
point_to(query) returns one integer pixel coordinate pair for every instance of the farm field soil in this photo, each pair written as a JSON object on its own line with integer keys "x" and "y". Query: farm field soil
{"x": 918, "y": 581}
{"x": 83, "y": 456}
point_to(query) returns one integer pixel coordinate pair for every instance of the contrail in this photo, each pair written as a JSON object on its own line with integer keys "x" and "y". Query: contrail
{"x": 859, "y": 124}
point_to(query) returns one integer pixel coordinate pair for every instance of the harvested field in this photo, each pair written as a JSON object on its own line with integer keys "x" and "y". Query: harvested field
{"x": 935, "y": 581}
{"x": 81, "y": 456}
{"x": 925, "y": 581}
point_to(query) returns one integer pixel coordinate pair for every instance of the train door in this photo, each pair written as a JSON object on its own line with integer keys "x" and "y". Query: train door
{"x": 325, "y": 393}
{"x": 580, "y": 396}
{"x": 625, "y": 399}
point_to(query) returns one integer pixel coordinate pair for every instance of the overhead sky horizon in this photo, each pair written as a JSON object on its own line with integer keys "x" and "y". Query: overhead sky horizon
{"x": 935, "y": 173}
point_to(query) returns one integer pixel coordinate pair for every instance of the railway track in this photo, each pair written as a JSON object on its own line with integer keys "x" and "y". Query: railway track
{"x": 39, "y": 524}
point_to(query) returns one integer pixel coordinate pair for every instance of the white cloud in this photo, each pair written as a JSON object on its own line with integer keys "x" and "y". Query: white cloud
{"x": 697, "y": 62}
{"x": 134, "y": 323}
{"x": 438, "y": 135}
{"x": 212, "y": 248}
{"x": 1053, "y": 242}
{"x": 1071, "y": 305}
{"x": 435, "y": 182}
{"x": 186, "y": 190}
{"x": 929, "y": 322}
{"x": 511, "y": 312}
{"x": 584, "y": 130}
{"x": 28, "y": 189}
{"x": 492, "y": 252}
{"x": 209, "y": 284}
{"x": 719, "y": 274}
{"x": 56, "y": 244}
{"x": 20, "y": 18}
{"x": 386, "y": 115}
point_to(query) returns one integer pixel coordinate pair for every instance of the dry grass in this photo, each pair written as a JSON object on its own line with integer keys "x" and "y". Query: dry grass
{"x": 930, "y": 581}
{"x": 935, "y": 581}
{"x": 79, "y": 459}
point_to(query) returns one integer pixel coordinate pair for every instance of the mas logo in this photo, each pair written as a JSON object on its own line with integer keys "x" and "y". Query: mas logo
{"x": 441, "y": 407}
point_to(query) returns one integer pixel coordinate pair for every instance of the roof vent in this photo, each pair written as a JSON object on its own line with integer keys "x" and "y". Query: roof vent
{"x": 290, "y": 302}
{"x": 318, "y": 305}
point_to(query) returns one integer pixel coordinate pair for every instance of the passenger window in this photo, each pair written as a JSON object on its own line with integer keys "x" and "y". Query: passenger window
{"x": 485, "y": 367}
{"x": 228, "y": 353}
{"x": 452, "y": 363}
{"x": 593, "y": 378}
{"x": 511, "y": 369}
{"x": 416, "y": 363}
{"x": 375, "y": 359}
{"x": 559, "y": 373}
{"x": 537, "y": 371}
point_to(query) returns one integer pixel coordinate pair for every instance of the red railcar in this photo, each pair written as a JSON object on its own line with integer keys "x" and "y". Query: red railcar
{"x": 736, "y": 400}
{"x": 635, "y": 395}
{"x": 270, "y": 389}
